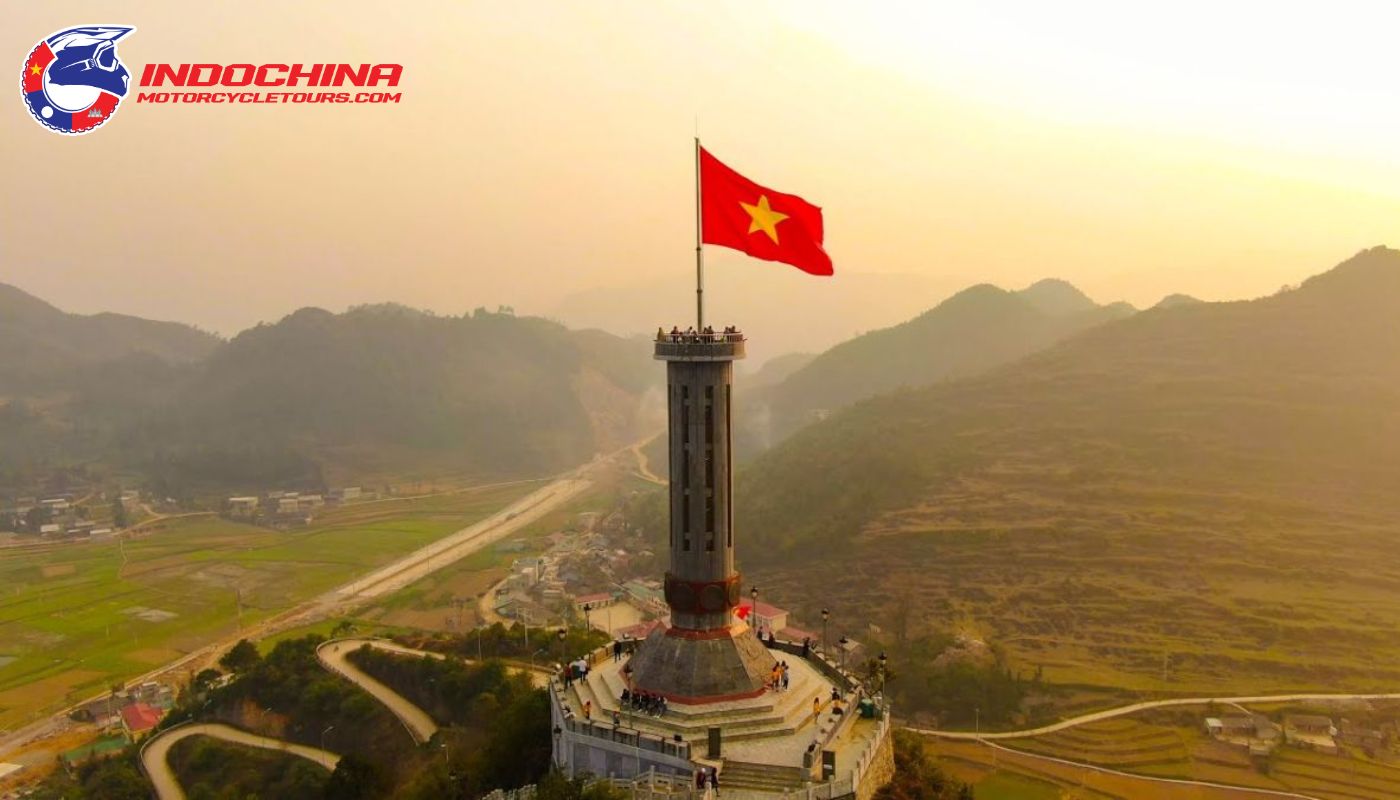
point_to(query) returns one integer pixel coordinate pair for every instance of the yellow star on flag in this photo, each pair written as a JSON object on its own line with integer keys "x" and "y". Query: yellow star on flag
{"x": 763, "y": 218}
{"x": 35, "y": 69}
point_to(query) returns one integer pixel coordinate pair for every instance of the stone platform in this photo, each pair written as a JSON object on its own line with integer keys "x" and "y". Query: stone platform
{"x": 770, "y": 743}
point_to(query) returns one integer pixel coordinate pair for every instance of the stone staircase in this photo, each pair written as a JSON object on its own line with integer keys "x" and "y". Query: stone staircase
{"x": 744, "y": 775}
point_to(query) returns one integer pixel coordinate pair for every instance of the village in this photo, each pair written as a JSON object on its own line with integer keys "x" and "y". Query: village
{"x": 1260, "y": 735}
{"x": 68, "y": 516}
{"x": 598, "y": 573}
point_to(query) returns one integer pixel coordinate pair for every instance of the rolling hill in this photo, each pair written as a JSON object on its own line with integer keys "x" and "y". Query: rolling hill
{"x": 367, "y": 392}
{"x": 1198, "y": 496}
{"x": 974, "y": 330}
{"x": 42, "y": 343}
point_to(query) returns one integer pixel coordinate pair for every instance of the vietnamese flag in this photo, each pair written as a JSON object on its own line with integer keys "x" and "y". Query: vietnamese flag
{"x": 738, "y": 213}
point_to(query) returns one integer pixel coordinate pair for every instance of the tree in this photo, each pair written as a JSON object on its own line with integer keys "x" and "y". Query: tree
{"x": 916, "y": 777}
{"x": 115, "y": 779}
{"x": 205, "y": 678}
{"x": 241, "y": 657}
{"x": 119, "y": 517}
{"x": 354, "y": 779}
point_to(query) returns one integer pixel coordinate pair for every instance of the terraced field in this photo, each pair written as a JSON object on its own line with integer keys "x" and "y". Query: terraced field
{"x": 1123, "y": 744}
{"x": 1171, "y": 744}
{"x": 1336, "y": 777}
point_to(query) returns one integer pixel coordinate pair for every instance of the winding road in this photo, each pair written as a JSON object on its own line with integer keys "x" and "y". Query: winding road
{"x": 333, "y": 656}
{"x": 988, "y": 739}
{"x": 1121, "y": 711}
{"x": 155, "y": 753}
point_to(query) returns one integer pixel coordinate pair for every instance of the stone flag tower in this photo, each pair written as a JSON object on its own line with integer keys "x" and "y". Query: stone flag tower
{"x": 707, "y": 654}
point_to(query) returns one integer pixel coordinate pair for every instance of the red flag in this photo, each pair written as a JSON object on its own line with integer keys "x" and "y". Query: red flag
{"x": 738, "y": 213}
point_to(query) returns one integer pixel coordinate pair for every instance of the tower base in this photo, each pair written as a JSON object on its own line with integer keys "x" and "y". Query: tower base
{"x": 692, "y": 667}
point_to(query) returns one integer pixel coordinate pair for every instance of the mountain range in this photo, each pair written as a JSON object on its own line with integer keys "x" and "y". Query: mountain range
{"x": 1205, "y": 485}
{"x": 42, "y": 343}
{"x": 974, "y": 330}
{"x": 369, "y": 391}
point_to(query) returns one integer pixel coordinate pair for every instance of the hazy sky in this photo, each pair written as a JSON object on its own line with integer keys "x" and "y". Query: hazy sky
{"x": 541, "y": 149}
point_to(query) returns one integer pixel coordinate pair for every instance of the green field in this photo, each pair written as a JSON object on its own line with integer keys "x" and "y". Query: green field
{"x": 74, "y": 618}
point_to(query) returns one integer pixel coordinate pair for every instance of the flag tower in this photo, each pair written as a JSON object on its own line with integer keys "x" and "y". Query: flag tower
{"x": 706, "y": 654}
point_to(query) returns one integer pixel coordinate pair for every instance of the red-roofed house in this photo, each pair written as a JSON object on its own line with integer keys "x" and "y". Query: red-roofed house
{"x": 639, "y": 631}
{"x": 595, "y": 600}
{"x": 139, "y": 717}
{"x": 764, "y": 618}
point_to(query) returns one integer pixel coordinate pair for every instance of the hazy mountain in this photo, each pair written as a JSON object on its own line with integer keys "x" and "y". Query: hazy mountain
{"x": 781, "y": 309}
{"x": 1154, "y": 482}
{"x": 41, "y": 343}
{"x": 372, "y": 390}
{"x": 1056, "y": 297}
{"x": 1172, "y": 300}
{"x": 774, "y": 370}
{"x": 972, "y": 331}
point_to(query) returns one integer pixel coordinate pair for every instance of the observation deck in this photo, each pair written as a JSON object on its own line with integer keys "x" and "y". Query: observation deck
{"x": 708, "y": 346}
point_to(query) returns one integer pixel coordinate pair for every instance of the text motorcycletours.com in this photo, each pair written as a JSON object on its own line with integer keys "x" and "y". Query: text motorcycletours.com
{"x": 307, "y": 77}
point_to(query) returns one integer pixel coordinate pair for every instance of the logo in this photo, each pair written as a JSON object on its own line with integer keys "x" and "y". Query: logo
{"x": 73, "y": 80}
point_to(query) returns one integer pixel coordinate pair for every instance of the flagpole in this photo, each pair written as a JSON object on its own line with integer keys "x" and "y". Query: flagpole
{"x": 699, "y": 253}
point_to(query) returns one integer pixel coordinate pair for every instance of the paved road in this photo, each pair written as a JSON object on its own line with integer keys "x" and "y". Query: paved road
{"x": 155, "y": 753}
{"x": 464, "y": 542}
{"x": 421, "y": 727}
{"x": 333, "y": 654}
{"x": 1136, "y": 707}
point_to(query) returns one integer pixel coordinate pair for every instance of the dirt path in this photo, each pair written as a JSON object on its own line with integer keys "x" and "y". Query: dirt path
{"x": 643, "y": 467}
{"x": 155, "y": 753}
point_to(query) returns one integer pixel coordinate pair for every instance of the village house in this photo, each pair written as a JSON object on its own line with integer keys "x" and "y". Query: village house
{"x": 1312, "y": 731}
{"x": 1255, "y": 732}
{"x": 648, "y": 595}
{"x": 594, "y": 600}
{"x": 243, "y": 507}
{"x": 768, "y": 618}
{"x": 139, "y": 717}
{"x": 1369, "y": 739}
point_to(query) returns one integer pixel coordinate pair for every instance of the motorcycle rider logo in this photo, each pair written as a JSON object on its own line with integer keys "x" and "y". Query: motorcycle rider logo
{"x": 73, "y": 80}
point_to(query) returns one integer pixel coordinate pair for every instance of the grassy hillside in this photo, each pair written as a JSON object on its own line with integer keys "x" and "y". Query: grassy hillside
{"x": 1200, "y": 495}
{"x": 970, "y": 332}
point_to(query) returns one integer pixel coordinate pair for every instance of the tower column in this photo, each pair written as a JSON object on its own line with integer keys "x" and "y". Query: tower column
{"x": 705, "y": 654}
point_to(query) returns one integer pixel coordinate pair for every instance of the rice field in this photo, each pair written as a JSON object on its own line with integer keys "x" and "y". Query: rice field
{"x": 74, "y": 618}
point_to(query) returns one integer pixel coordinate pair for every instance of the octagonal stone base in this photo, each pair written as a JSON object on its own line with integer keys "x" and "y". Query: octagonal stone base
{"x": 702, "y": 666}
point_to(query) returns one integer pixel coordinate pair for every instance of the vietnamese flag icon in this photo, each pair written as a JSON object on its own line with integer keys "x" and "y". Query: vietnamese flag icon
{"x": 753, "y": 219}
